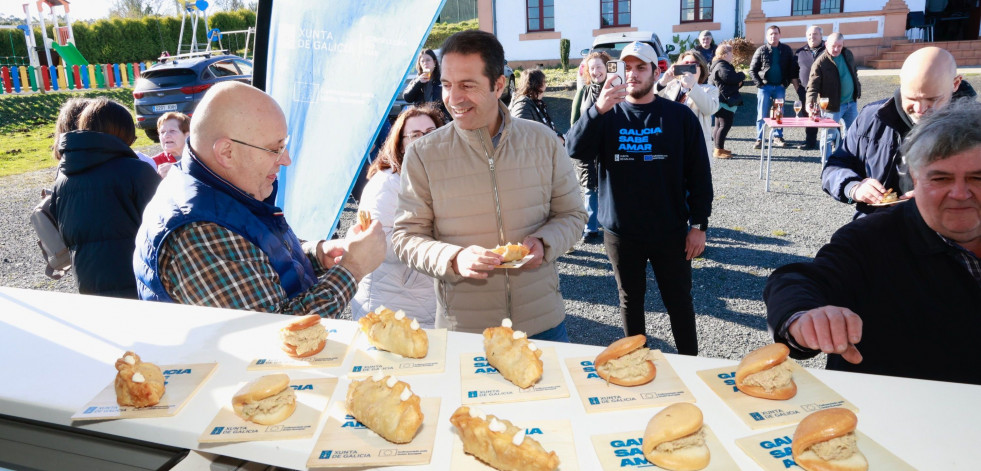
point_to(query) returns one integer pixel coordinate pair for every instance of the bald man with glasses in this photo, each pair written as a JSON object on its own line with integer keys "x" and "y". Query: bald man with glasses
{"x": 212, "y": 235}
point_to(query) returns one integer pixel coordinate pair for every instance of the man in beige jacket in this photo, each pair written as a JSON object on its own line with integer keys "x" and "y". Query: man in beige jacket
{"x": 483, "y": 181}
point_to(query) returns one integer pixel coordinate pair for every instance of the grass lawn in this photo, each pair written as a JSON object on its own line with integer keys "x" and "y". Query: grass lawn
{"x": 27, "y": 127}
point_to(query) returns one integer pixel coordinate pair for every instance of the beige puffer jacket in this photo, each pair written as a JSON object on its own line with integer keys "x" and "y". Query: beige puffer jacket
{"x": 447, "y": 203}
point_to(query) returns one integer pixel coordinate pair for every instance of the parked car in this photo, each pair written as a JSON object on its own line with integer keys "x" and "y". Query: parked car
{"x": 399, "y": 103}
{"x": 613, "y": 44}
{"x": 178, "y": 83}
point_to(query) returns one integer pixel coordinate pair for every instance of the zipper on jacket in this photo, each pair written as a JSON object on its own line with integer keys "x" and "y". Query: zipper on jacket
{"x": 497, "y": 208}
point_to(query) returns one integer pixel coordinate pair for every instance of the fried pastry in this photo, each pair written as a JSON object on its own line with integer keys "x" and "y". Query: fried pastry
{"x": 395, "y": 332}
{"x": 364, "y": 219}
{"x": 513, "y": 355}
{"x": 500, "y": 443}
{"x": 889, "y": 197}
{"x": 138, "y": 384}
{"x": 511, "y": 252}
{"x": 386, "y": 406}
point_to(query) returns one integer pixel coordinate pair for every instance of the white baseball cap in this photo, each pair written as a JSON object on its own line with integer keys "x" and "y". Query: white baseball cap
{"x": 640, "y": 50}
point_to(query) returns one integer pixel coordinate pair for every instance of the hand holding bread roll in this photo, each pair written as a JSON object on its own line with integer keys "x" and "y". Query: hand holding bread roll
{"x": 767, "y": 373}
{"x": 137, "y": 384}
{"x": 674, "y": 439}
{"x": 513, "y": 355}
{"x": 266, "y": 400}
{"x": 825, "y": 441}
{"x": 303, "y": 337}
{"x": 500, "y": 443}
{"x": 626, "y": 362}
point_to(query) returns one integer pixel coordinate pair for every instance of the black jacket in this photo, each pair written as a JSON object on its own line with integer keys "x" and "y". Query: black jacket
{"x": 419, "y": 93}
{"x": 522, "y": 106}
{"x": 653, "y": 168}
{"x": 806, "y": 56}
{"x": 824, "y": 79}
{"x": 871, "y": 149}
{"x": 724, "y": 76}
{"x": 919, "y": 305}
{"x": 586, "y": 97}
{"x": 761, "y": 64}
{"x": 98, "y": 201}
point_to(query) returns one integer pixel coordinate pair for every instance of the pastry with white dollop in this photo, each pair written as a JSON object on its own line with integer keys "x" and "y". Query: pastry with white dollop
{"x": 395, "y": 332}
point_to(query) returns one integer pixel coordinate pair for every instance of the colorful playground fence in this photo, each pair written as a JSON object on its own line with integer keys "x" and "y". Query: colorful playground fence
{"x": 24, "y": 79}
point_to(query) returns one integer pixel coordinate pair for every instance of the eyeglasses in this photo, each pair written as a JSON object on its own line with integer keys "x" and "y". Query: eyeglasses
{"x": 417, "y": 134}
{"x": 277, "y": 153}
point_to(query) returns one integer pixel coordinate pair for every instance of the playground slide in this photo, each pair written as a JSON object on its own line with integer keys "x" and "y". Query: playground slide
{"x": 69, "y": 54}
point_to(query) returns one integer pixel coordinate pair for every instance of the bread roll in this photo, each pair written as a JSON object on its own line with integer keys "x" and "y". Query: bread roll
{"x": 387, "y": 406}
{"x": 137, "y": 384}
{"x": 303, "y": 337}
{"x": 395, "y": 332}
{"x": 511, "y": 252}
{"x": 513, "y": 355}
{"x": 266, "y": 400}
{"x": 626, "y": 362}
{"x": 499, "y": 443}
{"x": 767, "y": 373}
{"x": 825, "y": 441}
{"x": 674, "y": 439}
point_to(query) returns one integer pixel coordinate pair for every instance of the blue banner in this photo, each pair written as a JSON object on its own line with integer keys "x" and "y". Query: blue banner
{"x": 335, "y": 67}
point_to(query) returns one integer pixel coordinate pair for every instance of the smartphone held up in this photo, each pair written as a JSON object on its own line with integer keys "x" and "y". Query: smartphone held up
{"x": 681, "y": 69}
{"x": 616, "y": 71}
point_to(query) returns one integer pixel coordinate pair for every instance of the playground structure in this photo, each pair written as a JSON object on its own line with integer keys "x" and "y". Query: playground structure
{"x": 194, "y": 12}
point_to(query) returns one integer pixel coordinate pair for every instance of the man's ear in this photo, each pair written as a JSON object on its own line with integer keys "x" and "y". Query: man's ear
{"x": 957, "y": 82}
{"x": 499, "y": 85}
{"x": 222, "y": 150}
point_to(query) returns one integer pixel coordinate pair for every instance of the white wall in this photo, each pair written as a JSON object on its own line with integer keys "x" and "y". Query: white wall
{"x": 575, "y": 20}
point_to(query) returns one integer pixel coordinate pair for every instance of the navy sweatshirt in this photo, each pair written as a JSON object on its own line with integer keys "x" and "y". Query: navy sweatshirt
{"x": 654, "y": 175}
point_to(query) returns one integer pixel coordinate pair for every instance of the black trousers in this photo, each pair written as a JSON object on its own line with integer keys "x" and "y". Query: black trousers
{"x": 723, "y": 123}
{"x": 810, "y": 134}
{"x": 673, "y": 274}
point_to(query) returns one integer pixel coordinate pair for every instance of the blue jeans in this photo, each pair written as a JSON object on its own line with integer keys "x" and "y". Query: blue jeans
{"x": 555, "y": 334}
{"x": 592, "y": 225}
{"x": 847, "y": 113}
{"x": 763, "y": 96}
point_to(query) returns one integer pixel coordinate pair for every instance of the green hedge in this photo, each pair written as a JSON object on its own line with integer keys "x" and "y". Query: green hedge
{"x": 441, "y": 31}
{"x": 130, "y": 40}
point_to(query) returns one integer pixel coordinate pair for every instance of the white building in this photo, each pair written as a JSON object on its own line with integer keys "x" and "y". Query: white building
{"x": 530, "y": 30}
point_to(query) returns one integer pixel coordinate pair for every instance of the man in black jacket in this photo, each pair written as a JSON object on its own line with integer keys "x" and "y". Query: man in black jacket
{"x": 805, "y": 56}
{"x": 655, "y": 191}
{"x": 898, "y": 293}
{"x": 773, "y": 68}
{"x": 868, "y": 164}
{"x": 835, "y": 77}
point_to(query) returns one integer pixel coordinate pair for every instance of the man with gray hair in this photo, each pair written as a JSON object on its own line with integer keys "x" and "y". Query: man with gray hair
{"x": 869, "y": 163}
{"x": 897, "y": 293}
{"x": 835, "y": 77}
{"x": 805, "y": 56}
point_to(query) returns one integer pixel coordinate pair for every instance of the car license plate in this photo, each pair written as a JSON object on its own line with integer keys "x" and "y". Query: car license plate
{"x": 164, "y": 108}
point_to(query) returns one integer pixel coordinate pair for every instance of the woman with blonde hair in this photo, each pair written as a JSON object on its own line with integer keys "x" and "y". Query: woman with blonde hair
{"x": 724, "y": 76}
{"x": 394, "y": 284}
{"x": 693, "y": 90}
{"x": 595, "y": 77}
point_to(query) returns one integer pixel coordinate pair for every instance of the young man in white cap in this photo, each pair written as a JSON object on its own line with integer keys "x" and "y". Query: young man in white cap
{"x": 655, "y": 191}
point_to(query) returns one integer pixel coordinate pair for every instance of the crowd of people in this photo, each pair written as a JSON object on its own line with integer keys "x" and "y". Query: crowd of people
{"x": 460, "y": 174}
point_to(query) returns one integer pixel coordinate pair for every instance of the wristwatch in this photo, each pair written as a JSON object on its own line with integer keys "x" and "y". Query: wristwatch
{"x": 702, "y": 227}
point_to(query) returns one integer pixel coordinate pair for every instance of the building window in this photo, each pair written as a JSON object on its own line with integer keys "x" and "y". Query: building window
{"x": 816, "y": 7}
{"x": 696, "y": 10}
{"x": 541, "y": 15}
{"x": 614, "y": 13}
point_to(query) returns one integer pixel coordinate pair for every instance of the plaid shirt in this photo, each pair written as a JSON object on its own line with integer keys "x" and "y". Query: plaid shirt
{"x": 204, "y": 264}
{"x": 965, "y": 257}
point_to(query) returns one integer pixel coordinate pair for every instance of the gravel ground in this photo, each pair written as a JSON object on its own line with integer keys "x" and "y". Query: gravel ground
{"x": 751, "y": 233}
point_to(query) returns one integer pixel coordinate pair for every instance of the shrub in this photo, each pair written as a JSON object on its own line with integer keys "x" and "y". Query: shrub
{"x": 441, "y": 31}
{"x": 742, "y": 52}
{"x": 564, "y": 54}
{"x": 681, "y": 45}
